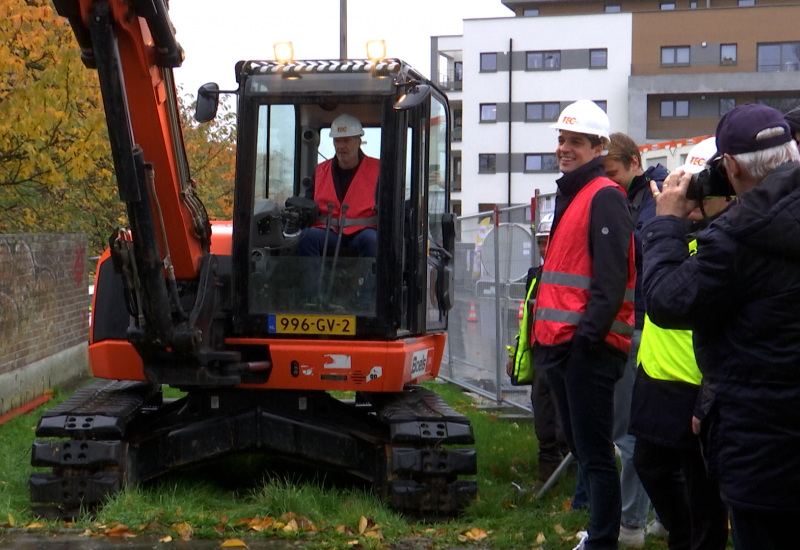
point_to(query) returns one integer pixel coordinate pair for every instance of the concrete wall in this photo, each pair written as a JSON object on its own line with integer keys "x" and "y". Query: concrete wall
{"x": 43, "y": 314}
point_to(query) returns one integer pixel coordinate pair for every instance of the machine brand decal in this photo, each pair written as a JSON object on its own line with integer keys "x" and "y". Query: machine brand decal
{"x": 420, "y": 362}
{"x": 334, "y": 377}
{"x": 571, "y": 120}
{"x": 312, "y": 324}
{"x": 307, "y": 370}
{"x": 375, "y": 373}
{"x": 337, "y": 361}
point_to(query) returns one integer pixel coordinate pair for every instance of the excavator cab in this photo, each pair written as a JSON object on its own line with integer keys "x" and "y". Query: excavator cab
{"x": 284, "y": 133}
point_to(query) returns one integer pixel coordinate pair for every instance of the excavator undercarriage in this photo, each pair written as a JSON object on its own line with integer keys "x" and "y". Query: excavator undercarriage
{"x": 116, "y": 433}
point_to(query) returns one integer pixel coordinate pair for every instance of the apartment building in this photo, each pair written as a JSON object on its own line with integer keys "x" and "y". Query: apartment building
{"x": 664, "y": 70}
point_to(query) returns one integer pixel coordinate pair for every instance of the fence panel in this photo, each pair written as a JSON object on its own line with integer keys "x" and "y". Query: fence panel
{"x": 493, "y": 256}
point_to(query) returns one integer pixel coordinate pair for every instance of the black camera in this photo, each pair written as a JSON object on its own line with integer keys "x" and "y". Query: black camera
{"x": 711, "y": 181}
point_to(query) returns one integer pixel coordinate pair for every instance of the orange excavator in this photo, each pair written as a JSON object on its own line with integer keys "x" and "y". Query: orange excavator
{"x": 262, "y": 340}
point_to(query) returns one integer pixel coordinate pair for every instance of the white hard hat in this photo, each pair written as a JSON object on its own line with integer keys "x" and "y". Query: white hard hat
{"x": 699, "y": 155}
{"x": 584, "y": 117}
{"x": 346, "y": 126}
{"x": 544, "y": 225}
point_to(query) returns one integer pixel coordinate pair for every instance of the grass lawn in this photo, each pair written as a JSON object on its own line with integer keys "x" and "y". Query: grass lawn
{"x": 243, "y": 498}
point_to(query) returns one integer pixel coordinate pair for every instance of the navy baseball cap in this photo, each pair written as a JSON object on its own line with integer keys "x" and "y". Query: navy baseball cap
{"x": 738, "y": 129}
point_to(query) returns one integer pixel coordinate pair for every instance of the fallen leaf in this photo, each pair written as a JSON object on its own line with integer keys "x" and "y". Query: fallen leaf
{"x": 373, "y": 534}
{"x": 11, "y": 521}
{"x": 34, "y": 525}
{"x": 341, "y": 529}
{"x": 476, "y": 534}
{"x": 165, "y": 539}
{"x": 291, "y": 527}
{"x": 233, "y": 543}
{"x": 119, "y": 530}
{"x": 184, "y": 530}
{"x": 259, "y": 524}
{"x": 540, "y": 538}
{"x": 362, "y": 525}
{"x": 558, "y": 529}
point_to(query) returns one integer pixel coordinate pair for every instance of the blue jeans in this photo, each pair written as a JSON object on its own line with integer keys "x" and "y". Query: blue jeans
{"x": 364, "y": 242}
{"x": 635, "y": 502}
{"x": 584, "y": 388}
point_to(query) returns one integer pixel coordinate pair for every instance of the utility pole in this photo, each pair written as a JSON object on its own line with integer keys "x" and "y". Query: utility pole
{"x": 342, "y": 29}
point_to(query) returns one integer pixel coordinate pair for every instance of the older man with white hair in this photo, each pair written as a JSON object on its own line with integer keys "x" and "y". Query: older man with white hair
{"x": 740, "y": 294}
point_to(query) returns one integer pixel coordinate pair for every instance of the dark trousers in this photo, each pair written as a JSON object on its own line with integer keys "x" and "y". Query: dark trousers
{"x": 547, "y": 422}
{"x": 757, "y": 530}
{"x": 584, "y": 388}
{"x": 687, "y": 502}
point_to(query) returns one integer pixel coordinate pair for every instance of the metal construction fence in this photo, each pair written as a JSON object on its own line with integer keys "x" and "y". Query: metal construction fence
{"x": 494, "y": 251}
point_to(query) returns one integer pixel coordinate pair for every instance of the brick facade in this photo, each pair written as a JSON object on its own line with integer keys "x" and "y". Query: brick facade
{"x": 43, "y": 297}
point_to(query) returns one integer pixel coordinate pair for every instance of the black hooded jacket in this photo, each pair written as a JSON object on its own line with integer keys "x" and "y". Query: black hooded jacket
{"x": 740, "y": 294}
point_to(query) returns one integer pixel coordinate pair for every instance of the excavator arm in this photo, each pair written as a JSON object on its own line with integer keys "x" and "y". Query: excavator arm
{"x": 132, "y": 46}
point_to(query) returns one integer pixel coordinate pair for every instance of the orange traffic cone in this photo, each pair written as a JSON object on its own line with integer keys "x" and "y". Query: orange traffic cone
{"x": 521, "y": 309}
{"x": 473, "y": 316}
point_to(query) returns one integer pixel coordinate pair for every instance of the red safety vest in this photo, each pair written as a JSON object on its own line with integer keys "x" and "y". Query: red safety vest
{"x": 567, "y": 274}
{"x": 360, "y": 196}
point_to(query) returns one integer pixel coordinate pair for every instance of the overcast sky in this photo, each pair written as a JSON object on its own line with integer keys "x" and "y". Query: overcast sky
{"x": 215, "y": 35}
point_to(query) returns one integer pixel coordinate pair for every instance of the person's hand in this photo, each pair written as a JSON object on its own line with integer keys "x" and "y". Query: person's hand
{"x": 510, "y": 366}
{"x": 695, "y": 425}
{"x": 671, "y": 199}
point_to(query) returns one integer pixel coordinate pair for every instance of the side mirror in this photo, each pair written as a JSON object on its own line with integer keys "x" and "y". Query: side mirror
{"x": 207, "y": 102}
{"x": 413, "y": 97}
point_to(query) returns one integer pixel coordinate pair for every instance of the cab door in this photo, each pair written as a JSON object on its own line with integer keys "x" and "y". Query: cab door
{"x": 429, "y": 239}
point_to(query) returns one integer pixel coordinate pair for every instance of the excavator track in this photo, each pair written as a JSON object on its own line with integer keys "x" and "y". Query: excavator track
{"x": 116, "y": 434}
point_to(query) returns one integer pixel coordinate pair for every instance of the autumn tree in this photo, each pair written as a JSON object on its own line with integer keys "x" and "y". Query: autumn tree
{"x": 56, "y": 171}
{"x": 211, "y": 153}
{"x": 55, "y": 164}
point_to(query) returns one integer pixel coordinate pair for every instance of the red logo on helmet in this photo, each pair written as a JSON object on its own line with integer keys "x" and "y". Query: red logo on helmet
{"x": 697, "y": 161}
{"x": 569, "y": 120}
{"x": 341, "y": 129}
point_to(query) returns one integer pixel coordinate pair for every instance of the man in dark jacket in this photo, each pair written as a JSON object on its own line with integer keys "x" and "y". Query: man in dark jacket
{"x": 583, "y": 319}
{"x": 624, "y": 165}
{"x": 740, "y": 294}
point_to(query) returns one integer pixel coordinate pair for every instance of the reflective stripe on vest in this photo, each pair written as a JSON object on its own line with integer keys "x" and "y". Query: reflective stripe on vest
{"x": 567, "y": 275}
{"x": 360, "y": 196}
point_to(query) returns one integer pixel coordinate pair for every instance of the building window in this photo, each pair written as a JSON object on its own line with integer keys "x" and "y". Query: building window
{"x": 726, "y": 104}
{"x": 727, "y": 54}
{"x": 486, "y": 163}
{"x": 746, "y": 3}
{"x": 538, "y": 112}
{"x": 489, "y": 62}
{"x": 613, "y": 8}
{"x": 602, "y": 103}
{"x": 541, "y": 162}
{"x": 667, "y": 6}
{"x": 458, "y": 71}
{"x": 598, "y": 59}
{"x": 783, "y": 56}
{"x": 543, "y": 61}
{"x": 693, "y": 4}
{"x": 783, "y": 104}
{"x": 675, "y": 108}
{"x": 530, "y": 12}
{"x": 675, "y": 55}
{"x": 488, "y": 112}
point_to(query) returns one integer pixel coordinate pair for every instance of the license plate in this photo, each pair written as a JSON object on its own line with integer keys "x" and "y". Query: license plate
{"x": 335, "y": 325}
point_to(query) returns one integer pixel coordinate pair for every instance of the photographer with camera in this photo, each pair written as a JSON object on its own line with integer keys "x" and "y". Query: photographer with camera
{"x": 740, "y": 295}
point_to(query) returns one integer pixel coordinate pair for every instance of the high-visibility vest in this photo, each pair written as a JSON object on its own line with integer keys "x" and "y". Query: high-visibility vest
{"x": 567, "y": 275}
{"x": 522, "y": 369}
{"x": 667, "y": 354}
{"x": 360, "y": 196}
